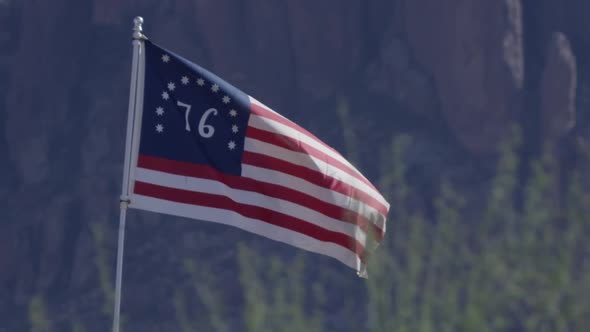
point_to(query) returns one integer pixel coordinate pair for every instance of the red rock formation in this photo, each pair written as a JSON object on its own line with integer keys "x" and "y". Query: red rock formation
{"x": 474, "y": 51}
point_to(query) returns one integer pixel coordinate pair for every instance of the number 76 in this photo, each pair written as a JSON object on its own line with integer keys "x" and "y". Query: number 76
{"x": 205, "y": 130}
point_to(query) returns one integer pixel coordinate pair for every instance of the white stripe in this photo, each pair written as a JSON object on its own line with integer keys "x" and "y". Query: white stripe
{"x": 279, "y": 128}
{"x": 337, "y": 155}
{"x": 250, "y": 198}
{"x": 321, "y": 193}
{"x": 255, "y": 226}
{"x": 258, "y": 103}
{"x": 309, "y": 162}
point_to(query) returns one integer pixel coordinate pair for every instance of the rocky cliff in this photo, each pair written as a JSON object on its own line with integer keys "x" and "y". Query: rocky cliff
{"x": 455, "y": 74}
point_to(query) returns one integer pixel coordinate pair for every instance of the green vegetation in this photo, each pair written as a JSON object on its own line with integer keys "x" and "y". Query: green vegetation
{"x": 518, "y": 261}
{"x": 38, "y": 315}
{"x": 105, "y": 272}
{"x": 274, "y": 293}
{"x": 502, "y": 268}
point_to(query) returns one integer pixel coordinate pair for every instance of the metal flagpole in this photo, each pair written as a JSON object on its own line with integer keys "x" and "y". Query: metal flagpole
{"x": 124, "y": 200}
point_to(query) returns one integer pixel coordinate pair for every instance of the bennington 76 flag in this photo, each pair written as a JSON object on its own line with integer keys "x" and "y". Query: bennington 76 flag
{"x": 208, "y": 151}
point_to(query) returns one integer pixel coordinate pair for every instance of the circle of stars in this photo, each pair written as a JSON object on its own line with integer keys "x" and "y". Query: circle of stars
{"x": 184, "y": 80}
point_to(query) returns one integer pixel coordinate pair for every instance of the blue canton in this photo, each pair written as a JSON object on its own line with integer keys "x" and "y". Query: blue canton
{"x": 190, "y": 114}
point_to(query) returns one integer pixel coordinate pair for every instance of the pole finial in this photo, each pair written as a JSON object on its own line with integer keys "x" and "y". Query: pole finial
{"x": 137, "y": 29}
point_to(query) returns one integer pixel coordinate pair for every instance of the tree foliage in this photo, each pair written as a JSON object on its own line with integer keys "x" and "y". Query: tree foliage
{"x": 519, "y": 261}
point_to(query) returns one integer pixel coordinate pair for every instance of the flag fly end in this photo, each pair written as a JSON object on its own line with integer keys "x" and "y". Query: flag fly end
{"x": 362, "y": 273}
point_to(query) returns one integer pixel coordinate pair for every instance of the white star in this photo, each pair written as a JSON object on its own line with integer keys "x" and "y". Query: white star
{"x": 171, "y": 86}
{"x": 234, "y": 129}
{"x": 233, "y": 113}
{"x": 201, "y": 82}
{"x": 166, "y": 58}
{"x": 215, "y": 88}
{"x": 231, "y": 145}
{"x": 160, "y": 111}
{"x": 165, "y": 95}
{"x": 159, "y": 128}
{"x": 226, "y": 99}
{"x": 184, "y": 80}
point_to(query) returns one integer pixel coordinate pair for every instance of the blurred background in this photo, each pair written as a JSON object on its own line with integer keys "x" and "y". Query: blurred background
{"x": 472, "y": 117}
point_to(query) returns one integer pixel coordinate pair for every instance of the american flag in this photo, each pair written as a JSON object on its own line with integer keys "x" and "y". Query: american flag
{"x": 208, "y": 151}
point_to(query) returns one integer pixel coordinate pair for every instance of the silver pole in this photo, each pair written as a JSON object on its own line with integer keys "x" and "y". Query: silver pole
{"x": 135, "y": 71}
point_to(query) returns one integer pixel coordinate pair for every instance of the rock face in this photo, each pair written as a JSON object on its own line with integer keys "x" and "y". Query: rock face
{"x": 558, "y": 89}
{"x": 474, "y": 51}
{"x": 405, "y": 66}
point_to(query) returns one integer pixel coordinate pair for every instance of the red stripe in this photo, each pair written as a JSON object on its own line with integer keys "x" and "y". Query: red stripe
{"x": 265, "y": 113}
{"x": 249, "y": 211}
{"x": 267, "y": 189}
{"x": 295, "y": 145}
{"x": 315, "y": 177}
